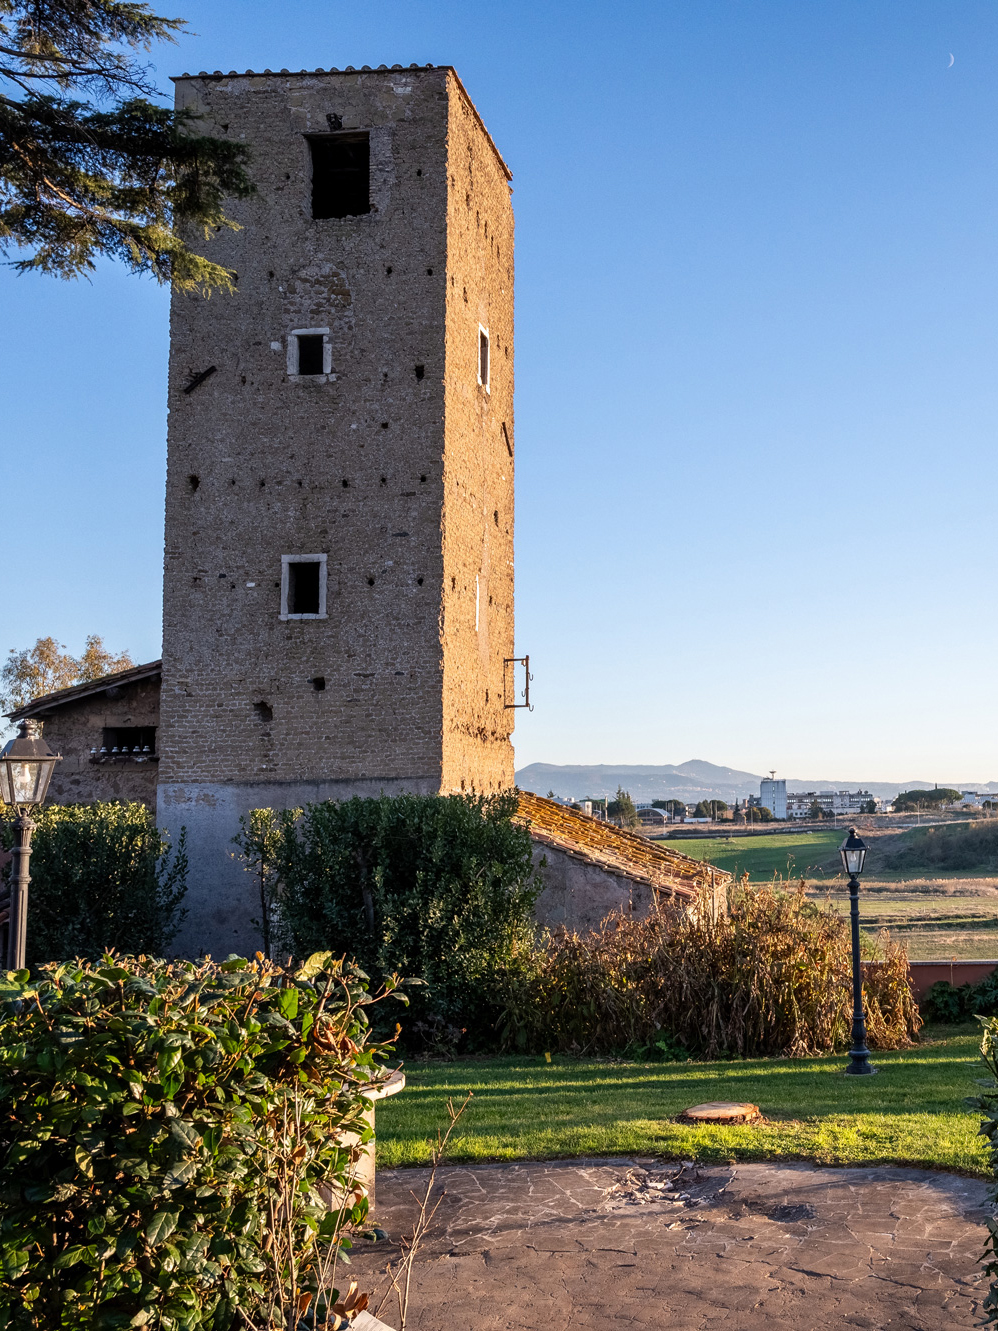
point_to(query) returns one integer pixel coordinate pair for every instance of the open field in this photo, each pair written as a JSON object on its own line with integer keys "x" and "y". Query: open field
{"x": 945, "y": 913}
{"x": 786, "y": 855}
{"x": 932, "y": 924}
{"x": 911, "y": 1113}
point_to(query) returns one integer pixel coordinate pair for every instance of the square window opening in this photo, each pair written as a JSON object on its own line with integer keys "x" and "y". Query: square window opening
{"x": 341, "y": 174}
{"x": 303, "y": 587}
{"x": 135, "y": 741}
{"x": 483, "y": 357}
{"x": 310, "y": 353}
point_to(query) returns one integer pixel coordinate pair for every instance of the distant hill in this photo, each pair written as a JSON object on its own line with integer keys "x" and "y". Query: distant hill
{"x": 692, "y": 781}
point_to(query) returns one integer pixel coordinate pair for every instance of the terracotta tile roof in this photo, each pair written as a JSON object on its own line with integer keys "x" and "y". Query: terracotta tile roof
{"x": 615, "y": 848}
{"x": 77, "y": 691}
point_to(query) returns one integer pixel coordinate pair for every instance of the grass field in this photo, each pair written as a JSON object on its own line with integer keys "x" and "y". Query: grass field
{"x": 949, "y": 914}
{"x": 930, "y": 924}
{"x": 523, "y": 1108}
{"x": 787, "y": 855}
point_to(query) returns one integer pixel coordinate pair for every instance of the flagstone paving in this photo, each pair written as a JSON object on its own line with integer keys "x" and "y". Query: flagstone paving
{"x": 645, "y": 1244}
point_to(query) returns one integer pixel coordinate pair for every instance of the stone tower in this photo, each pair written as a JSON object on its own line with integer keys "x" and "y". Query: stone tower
{"x": 338, "y": 601}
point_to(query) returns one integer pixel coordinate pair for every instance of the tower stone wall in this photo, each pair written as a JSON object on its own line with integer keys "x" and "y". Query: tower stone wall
{"x": 394, "y": 465}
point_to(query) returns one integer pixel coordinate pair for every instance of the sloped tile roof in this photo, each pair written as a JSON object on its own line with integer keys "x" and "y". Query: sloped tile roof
{"x": 77, "y": 691}
{"x": 615, "y": 848}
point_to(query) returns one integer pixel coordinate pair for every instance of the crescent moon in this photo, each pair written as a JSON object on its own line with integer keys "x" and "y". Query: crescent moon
{"x": 952, "y": 59}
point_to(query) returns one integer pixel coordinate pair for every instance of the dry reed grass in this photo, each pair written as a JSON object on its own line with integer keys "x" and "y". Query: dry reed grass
{"x": 771, "y": 975}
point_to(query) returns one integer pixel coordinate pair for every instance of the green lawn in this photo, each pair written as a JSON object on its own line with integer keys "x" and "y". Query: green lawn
{"x": 523, "y": 1108}
{"x": 784, "y": 853}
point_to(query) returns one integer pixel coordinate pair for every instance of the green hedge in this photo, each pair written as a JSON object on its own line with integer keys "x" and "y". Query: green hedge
{"x": 102, "y": 877}
{"x": 440, "y": 889}
{"x": 165, "y": 1130}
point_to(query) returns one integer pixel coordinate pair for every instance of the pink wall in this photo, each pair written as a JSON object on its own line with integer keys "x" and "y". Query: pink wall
{"x": 924, "y": 974}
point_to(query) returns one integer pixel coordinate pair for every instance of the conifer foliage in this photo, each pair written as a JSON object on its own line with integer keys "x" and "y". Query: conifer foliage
{"x": 89, "y": 166}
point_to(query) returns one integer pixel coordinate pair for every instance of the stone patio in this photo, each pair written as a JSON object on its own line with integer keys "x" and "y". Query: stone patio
{"x": 642, "y": 1243}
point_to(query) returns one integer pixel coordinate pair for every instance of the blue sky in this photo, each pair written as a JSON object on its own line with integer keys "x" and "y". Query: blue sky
{"x": 756, "y": 344}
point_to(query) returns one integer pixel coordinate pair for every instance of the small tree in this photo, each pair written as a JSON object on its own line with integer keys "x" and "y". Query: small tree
{"x": 710, "y": 808}
{"x": 622, "y": 809}
{"x": 758, "y": 813}
{"x": 47, "y": 666}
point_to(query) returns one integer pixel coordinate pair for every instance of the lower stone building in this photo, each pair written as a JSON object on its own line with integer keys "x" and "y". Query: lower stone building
{"x": 106, "y": 731}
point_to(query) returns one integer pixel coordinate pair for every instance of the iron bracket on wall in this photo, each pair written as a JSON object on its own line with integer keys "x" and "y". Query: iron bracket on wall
{"x": 200, "y": 378}
{"x": 514, "y": 661}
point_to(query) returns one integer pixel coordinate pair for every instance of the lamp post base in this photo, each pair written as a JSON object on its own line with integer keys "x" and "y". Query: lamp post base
{"x": 859, "y": 1064}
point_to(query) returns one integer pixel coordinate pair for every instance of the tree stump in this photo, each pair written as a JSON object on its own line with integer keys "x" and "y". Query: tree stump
{"x": 722, "y": 1111}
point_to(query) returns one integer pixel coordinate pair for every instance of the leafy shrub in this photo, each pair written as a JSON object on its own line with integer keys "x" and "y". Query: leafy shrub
{"x": 987, "y": 1104}
{"x": 772, "y": 976}
{"x": 153, "y": 1116}
{"x": 944, "y": 1002}
{"x": 102, "y": 877}
{"x": 437, "y": 888}
{"x": 948, "y": 1003}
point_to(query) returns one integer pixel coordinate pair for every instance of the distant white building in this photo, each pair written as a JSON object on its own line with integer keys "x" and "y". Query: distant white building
{"x": 829, "y": 802}
{"x": 773, "y": 796}
{"x": 977, "y": 799}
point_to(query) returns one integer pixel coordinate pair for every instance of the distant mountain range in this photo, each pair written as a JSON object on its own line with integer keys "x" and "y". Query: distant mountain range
{"x": 693, "y": 781}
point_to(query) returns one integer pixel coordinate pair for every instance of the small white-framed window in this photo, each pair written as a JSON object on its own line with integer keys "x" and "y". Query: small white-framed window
{"x": 483, "y": 357}
{"x": 310, "y": 352}
{"x": 303, "y": 586}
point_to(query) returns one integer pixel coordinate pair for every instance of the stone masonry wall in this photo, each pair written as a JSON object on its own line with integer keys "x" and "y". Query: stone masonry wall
{"x": 580, "y": 896}
{"x": 393, "y": 464}
{"x": 351, "y": 464}
{"x": 478, "y": 464}
{"x": 74, "y": 728}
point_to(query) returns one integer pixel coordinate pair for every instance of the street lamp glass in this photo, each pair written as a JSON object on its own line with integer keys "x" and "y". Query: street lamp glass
{"x": 26, "y": 767}
{"x": 853, "y": 853}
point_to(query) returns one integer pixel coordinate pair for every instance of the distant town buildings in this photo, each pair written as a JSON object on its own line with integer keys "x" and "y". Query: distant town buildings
{"x": 977, "y": 799}
{"x": 828, "y": 803}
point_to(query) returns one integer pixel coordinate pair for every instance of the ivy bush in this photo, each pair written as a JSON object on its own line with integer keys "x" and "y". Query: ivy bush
{"x": 440, "y": 889}
{"x": 166, "y": 1130}
{"x": 102, "y": 877}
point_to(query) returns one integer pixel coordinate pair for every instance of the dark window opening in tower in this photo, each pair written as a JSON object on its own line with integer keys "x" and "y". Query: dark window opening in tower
{"x": 310, "y": 353}
{"x": 303, "y": 588}
{"x": 341, "y": 175}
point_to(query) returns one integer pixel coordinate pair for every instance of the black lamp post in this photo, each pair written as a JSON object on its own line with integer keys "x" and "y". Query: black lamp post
{"x": 853, "y": 853}
{"x": 26, "y": 767}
